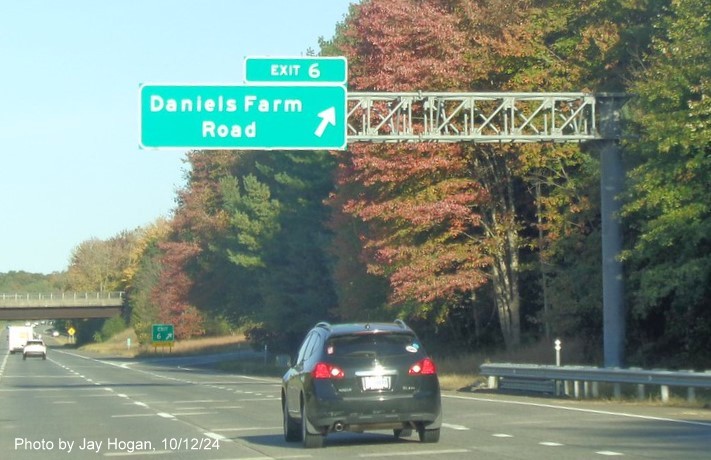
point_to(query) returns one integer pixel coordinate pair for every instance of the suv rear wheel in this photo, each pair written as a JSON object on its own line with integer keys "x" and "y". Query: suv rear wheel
{"x": 310, "y": 440}
{"x": 292, "y": 431}
{"x": 428, "y": 435}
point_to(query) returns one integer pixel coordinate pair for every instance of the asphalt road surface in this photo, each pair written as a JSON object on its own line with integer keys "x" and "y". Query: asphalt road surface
{"x": 76, "y": 406}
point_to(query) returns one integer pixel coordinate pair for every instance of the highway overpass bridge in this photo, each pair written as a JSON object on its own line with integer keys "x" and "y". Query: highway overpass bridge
{"x": 61, "y": 305}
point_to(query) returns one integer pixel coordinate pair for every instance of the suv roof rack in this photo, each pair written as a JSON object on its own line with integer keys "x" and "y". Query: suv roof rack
{"x": 401, "y": 323}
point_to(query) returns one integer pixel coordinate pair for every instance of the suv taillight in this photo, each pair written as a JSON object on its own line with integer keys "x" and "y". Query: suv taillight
{"x": 327, "y": 371}
{"x": 423, "y": 367}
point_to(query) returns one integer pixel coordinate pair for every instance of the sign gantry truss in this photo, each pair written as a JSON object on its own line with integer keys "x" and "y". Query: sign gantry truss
{"x": 472, "y": 117}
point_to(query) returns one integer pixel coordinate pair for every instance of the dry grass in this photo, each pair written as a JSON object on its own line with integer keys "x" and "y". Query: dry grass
{"x": 454, "y": 382}
{"x": 207, "y": 344}
{"x": 117, "y": 345}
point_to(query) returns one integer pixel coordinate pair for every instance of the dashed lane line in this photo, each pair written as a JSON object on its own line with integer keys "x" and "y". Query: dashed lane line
{"x": 455, "y": 427}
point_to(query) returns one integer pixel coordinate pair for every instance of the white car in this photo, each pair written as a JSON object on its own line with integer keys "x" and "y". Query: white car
{"x": 34, "y": 347}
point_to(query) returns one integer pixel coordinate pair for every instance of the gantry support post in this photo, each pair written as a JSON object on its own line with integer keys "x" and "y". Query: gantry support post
{"x": 611, "y": 186}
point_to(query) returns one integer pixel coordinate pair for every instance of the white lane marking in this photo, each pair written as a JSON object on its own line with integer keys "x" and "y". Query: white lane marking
{"x": 139, "y": 403}
{"x": 216, "y": 436}
{"x": 179, "y": 414}
{"x": 420, "y": 452}
{"x": 550, "y": 444}
{"x": 2, "y": 366}
{"x": 132, "y": 415}
{"x": 502, "y": 435}
{"x": 610, "y": 453}
{"x": 455, "y": 427}
{"x": 580, "y": 409}
{"x": 165, "y": 415}
{"x": 260, "y": 379}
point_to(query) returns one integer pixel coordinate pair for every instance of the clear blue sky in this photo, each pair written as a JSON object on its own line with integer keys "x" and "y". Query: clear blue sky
{"x": 70, "y": 165}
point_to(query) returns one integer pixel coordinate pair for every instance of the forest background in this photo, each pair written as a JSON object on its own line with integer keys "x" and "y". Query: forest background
{"x": 475, "y": 246}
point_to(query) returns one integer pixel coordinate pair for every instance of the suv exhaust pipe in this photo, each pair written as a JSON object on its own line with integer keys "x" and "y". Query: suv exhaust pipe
{"x": 338, "y": 427}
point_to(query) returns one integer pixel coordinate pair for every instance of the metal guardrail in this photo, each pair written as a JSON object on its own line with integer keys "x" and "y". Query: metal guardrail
{"x": 520, "y": 374}
{"x": 62, "y": 299}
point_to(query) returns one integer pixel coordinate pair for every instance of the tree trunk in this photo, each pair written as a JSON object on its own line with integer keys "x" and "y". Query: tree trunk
{"x": 506, "y": 297}
{"x": 504, "y": 247}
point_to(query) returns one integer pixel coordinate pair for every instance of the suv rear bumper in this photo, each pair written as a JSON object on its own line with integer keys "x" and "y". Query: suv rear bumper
{"x": 376, "y": 412}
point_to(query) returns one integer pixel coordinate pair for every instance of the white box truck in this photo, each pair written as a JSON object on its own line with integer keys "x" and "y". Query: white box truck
{"x": 18, "y": 336}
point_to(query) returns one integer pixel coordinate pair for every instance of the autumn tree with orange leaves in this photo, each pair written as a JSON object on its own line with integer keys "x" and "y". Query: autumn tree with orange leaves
{"x": 428, "y": 231}
{"x": 461, "y": 224}
{"x": 173, "y": 288}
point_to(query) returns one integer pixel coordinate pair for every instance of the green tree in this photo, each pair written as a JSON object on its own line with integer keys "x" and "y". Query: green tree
{"x": 141, "y": 277}
{"x": 668, "y": 207}
{"x": 253, "y": 217}
{"x": 24, "y": 282}
{"x": 258, "y": 222}
{"x": 293, "y": 274}
{"x": 98, "y": 265}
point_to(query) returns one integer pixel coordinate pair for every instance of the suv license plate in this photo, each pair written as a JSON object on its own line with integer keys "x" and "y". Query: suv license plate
{"x": 376, "y": 382}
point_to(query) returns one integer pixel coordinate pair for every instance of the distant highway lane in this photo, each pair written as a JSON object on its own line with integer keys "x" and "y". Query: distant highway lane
{"x": 75, "y": 406}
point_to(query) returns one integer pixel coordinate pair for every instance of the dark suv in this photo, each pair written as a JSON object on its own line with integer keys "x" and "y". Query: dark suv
{"x": 357, "y": 377}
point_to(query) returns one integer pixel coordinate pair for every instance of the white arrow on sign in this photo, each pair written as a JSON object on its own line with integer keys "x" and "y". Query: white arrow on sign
{"x": 328, "y": 117}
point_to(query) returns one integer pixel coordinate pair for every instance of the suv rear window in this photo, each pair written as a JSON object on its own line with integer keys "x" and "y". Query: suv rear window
{"x": 372, "y": 345}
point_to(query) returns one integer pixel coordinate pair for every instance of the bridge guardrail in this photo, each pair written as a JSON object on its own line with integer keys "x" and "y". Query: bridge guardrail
{"x": 590, "y": 377}
{"x": 59, "y": 299}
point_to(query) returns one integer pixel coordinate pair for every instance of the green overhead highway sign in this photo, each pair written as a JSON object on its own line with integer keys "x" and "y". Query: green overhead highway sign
{"x": 333, "y": 70}
{"x": 263, "y": 117}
